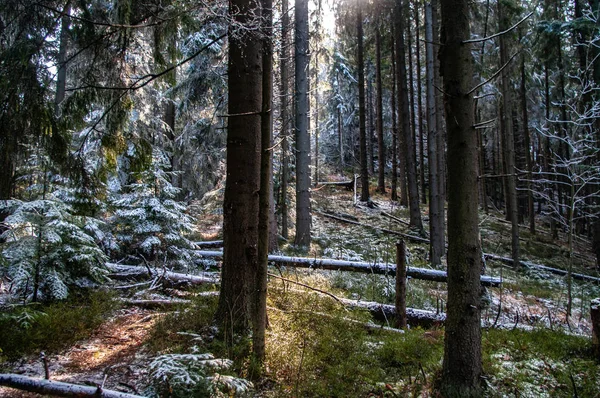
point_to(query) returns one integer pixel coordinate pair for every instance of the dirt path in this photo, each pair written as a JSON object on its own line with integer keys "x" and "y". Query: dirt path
{"x": 113, "y": 356}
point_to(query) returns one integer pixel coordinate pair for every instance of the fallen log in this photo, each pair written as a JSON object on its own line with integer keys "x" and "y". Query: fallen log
{"x": 556, "y": 271}
{"x": 349, "y": 185}
{"x": 134, "y": 270}
{"x": 356, "y": 266}
{"x": 151, "y": 304}
{"x": 58, "y": 388}
{"x": 412, "y": 238}
{"x": 209, "y": 244}
{"x": 387, "y": 313}
{"x": 395, "y": 218}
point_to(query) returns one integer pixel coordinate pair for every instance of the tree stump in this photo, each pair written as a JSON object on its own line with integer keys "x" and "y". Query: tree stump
{"x": 401, "y": 285}
{"x": 595, "y": 314}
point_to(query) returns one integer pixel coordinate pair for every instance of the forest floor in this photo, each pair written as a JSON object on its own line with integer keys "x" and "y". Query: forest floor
{"x": 530, "y": 349}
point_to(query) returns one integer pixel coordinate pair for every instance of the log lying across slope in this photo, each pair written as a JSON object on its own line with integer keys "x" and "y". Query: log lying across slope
{"x": 136, "y": 270}
{"x": 556, "y": 271}
{"x": 412, "y": 238}
{"x": 355, "y": 266}
{"x": 505, "y": 260}
{"x": 387, "y": 313}
{"x": 58, "y": 388}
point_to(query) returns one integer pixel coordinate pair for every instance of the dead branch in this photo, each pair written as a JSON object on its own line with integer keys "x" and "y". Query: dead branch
{"x": 395, "y": 218}
{"x": 499, "y": 33}
{"x": 411, "y": 238}
{"x": 556, "y": 271}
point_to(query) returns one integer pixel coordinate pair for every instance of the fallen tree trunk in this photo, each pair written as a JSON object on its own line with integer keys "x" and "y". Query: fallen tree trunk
{"x": 131, "y": 271}
{"x": 157, "y": 303}
{"x": 412, "y": 238}
{"x": 556, "y": 271}
{"x": 349, "y": 185}
{"x": 355, "y": 266}
{"x": 58, "y": 388}
{"x": 387, "y": 313}
{"x": 395, "y": 218}
{"x": 209, "y": 244}
{"x": 490, "y": 256}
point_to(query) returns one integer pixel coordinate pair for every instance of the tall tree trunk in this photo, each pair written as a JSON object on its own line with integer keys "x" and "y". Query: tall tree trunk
{"x": 462, "y": 369}
{"x": 403, "y": 111}
{"x": 285, "y": 116}
{"x": 370, "y": 121}
{"x": 394, "y": 195}
{"x": 436, "y": 250}
{"x": 316, "y": 118}
{"x": 379, "y": 106}
{"x": 364, "y": 170}
{"x": 440, "y": 142}
{"x": 420, "y": 115}
{"x": 61, "y": 75}
{"x": 527, "y": 138}
{"x": 265, "y": 194}
{"x": 509, "y": 137}
{"x": 340, "y": 139}
{"x": 303, "y": 219}
{"x": 241, "y": 203}
{"x": 411, "y": 95}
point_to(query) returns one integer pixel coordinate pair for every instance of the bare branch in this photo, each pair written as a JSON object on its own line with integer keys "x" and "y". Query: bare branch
{"x": 499, "y": 33}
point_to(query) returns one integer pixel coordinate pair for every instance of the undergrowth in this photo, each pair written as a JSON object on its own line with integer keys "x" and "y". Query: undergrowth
{"x": 33, "y": 328}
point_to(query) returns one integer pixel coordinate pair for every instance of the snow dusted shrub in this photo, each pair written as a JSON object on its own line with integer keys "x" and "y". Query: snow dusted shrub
{"x": 149, "y": 222}
{"x": 194, "y": 375}
{"x": 47, "y": 249}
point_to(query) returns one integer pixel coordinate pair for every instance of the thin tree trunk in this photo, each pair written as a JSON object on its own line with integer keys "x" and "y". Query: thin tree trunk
{"x": 259, "y": 314}
{"x": 440, "y": 139}
{"x": 403, "y": 111}
{"x": 436, "y": 250}
{"x": 394, "y": 195}
{"x": 285, "y": 117}
{"x": 316, "y": 71}
{"x": 411, "y": 95}
{"x": 364, "y": 170}
{"x": 379, "y": 106}
{"x": 527, "y": 138}
{"x": 303, "y": 219}
{"x": 462, "y": 368}
{"x": 509, "y": 137}
{"x": 370, "y": 121}
{"x": 421, "y": 116}
{"x": 61, "y": 75}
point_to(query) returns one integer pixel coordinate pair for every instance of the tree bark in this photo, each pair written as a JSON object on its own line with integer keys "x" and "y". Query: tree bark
{"x": 400, "y": 285}
{"x": 241, "y": 203}
{"x": 437, "y": 247}
{"x": 403, "y": 111}
{"x": 302, "y": 137}
{"x": 59, "y": 388}
{"x": 420, "y": 116}
{"x": 285, "y": 117}
{"x": 527, "y": 138}
{"x": 259, "y": 297}
{"x": 425, "y": 274}
{"x": 462, "y": 368}
{"x": 394, "y": 195}
{"x": 364, "y": 170}
{"x": 379, "y": 106}
{"x": 509, "y": 136}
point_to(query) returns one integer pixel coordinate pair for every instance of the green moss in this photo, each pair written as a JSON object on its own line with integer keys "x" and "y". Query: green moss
{"x": 50, "y": 328}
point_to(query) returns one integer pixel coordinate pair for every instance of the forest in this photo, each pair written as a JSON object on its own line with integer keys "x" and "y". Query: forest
{"x": 318, "y": 198}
